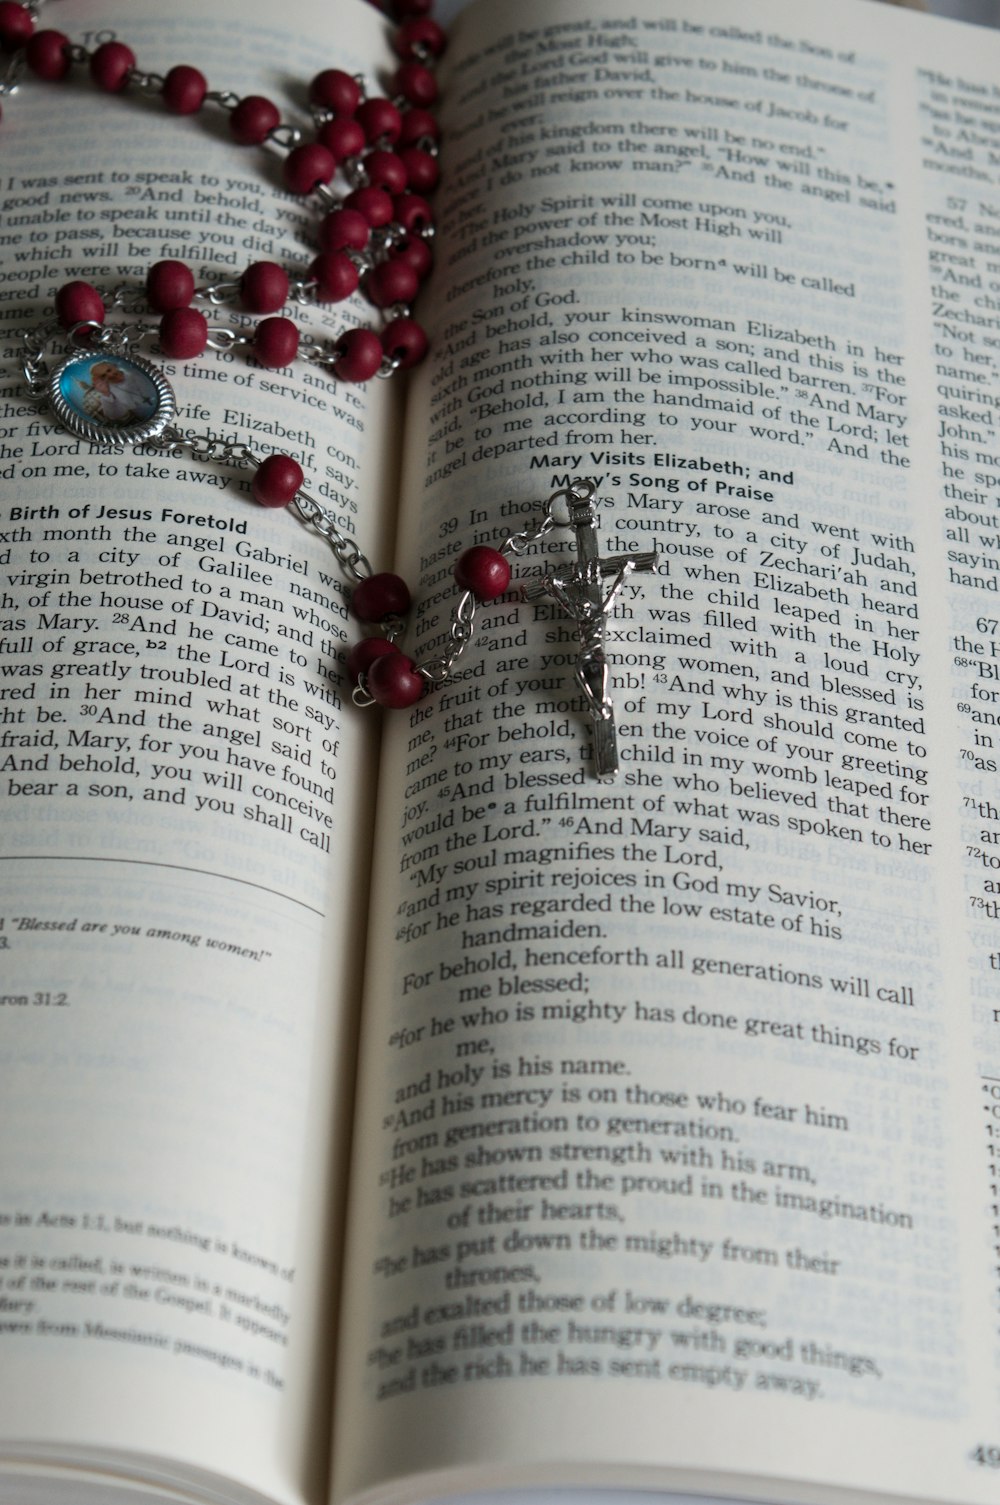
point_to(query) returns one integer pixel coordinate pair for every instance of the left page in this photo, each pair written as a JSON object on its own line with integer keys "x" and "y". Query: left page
{"x": 182, "y": 795}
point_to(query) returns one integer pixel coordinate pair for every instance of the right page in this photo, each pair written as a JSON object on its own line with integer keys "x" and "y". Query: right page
{"x": 681, "y": 1095}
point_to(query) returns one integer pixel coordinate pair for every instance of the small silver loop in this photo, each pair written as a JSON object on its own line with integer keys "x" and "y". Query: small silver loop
{"x": 283, "y": 136}
{"x": 12, "y": 73}
{"x": 217, "y": 293}
{"x": 225, "y": 98}
{"x": 226, "y": 339}
{"x": 146, "y": 83}
{"x": 580, "y": 491}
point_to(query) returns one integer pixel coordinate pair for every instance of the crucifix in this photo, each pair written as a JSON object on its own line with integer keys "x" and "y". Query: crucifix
{"x": 583, "y": 591}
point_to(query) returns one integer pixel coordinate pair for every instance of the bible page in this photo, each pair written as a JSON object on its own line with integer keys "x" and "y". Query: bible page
{"x": 676, "y": 1159}
{"x": 185, "y": 804}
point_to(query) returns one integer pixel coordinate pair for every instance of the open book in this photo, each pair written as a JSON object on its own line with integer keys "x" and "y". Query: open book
{"x": 388, "y": 1105}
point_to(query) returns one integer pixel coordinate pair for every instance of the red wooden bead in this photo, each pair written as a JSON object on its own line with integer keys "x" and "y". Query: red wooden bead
{"x": 393, "y": 682}
{"x": 336, "y": 276}
{"x": 252, "y": 119}
{"x": 276, "y": 481}
{"x": 183, "y": 333}
{"x": 169, "y": 284}
{"x": 79, "y": 303}
{"x": 373, "y": 203}
{"x": 342, "y": 138}
{"x": 422, "y": 171}
{"x": 333, "y": 89}
{"x": 360, "y": 355}
{"x": 263, "y": 287}
{"x": 184, "y": 90}
{"x": 343, "y": 229}
{"x": 404, "y": 10}
{"x": 380, "y": 120}
{"x": 392, "y": 282}
{"x": 276, "y": 342}
{"x": 47, "y": 55}
{"x": 416, "y": 253}
{"x": 379, "y": 597}
{"x": 385, "y": 170}
{"x": 413, "y": 213}
{"x": 419, "y": 126}
{"x": 418, "y": 34}
{"x": 404, "y": 340}
{"x": 361, "y": 657}
{"x": 110, "y": 66}
{"x": 483, "y": 571}
{"x": 307, "y": 166}
{"x": 16, "y": 25}
{"x": 416, "y": 83}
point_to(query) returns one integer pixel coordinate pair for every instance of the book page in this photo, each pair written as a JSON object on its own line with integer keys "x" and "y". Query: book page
{"x": 676, "y": 1159}
{"x": 185, "y": 801}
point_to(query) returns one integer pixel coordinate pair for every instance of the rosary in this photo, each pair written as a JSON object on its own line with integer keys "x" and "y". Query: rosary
{"x": 376, "y": 237}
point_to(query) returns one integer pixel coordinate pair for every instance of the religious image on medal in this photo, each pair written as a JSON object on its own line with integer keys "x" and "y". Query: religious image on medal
{"x": 109, "y": 399}
{"x": 109, "y": 390}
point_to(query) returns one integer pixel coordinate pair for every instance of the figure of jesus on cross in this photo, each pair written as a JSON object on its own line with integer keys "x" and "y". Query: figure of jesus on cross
{"x": 585, "y": 591}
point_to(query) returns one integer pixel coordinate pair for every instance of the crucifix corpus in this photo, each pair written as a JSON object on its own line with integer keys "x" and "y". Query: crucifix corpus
{"x": 585, "y": 591}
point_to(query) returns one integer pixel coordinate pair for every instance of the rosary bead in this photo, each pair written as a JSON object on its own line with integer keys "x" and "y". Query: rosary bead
{"x": 393, "y": 682}
{"x": 79, "y": 303}
{"x": 335, "y": 90}
{"x": 276, "y": 481}
{"x": 183, "y": 333}
{"x": 392, "y": 282}
{"x": 421, "y": 169}
{"x": 361, "y": 657}
{"x": 483, "y": 571}
{"x": 342, "y": 137}
{"x": 379, "y": 597}
{"x": 416, "y": 253}
{"x": 307, "y": 166}
{"x": 169, "y": 284}
{"x": 417, "y": 35}
{"x": 276, "y": 342}
{"x": 47, "y": 55}
{"x": 360, "y": 355}
{"x": 416, "y": 83}
{"x": 184, "y": 90}
{"x": 343, "y": 229}
{"x": 336, "y": 276}
{"x": 252, "y": 119}
{"x": 380, "y": 120}
{"x": 110, "y": 66}
{"x": 374, "y": 203}
{"x": 412, "y": 212}
{"x": 419, "y": 125}
{"x": 16, "y": 25}
{"x": 386, "y": 171}
{"x": 405, "y": 10}
{"x": 263, "y": 287}
{"x": 405, "y": 342}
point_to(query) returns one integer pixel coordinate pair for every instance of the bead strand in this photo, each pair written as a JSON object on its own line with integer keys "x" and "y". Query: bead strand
{"x": 385, "y": 149}
{"x": 184, "y": 332}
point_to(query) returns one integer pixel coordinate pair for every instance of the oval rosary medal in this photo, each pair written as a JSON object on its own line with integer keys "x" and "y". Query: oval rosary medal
{"x": 110, "y": 399}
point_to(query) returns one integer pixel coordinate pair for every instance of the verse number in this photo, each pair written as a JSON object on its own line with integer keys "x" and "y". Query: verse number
{"x": 46, "y": 1000}
{"x": 986, "y": 1457}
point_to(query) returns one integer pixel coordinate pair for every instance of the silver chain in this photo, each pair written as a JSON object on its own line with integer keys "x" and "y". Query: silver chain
{"x": 461, "y": 629}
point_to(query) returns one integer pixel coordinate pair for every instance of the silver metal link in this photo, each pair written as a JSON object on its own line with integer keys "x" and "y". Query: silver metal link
{"x": 12, "y": 73}
{"x": 146, "y": 83}
{"x": 226, "y": 339}
{"x": 224, "y": 98}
